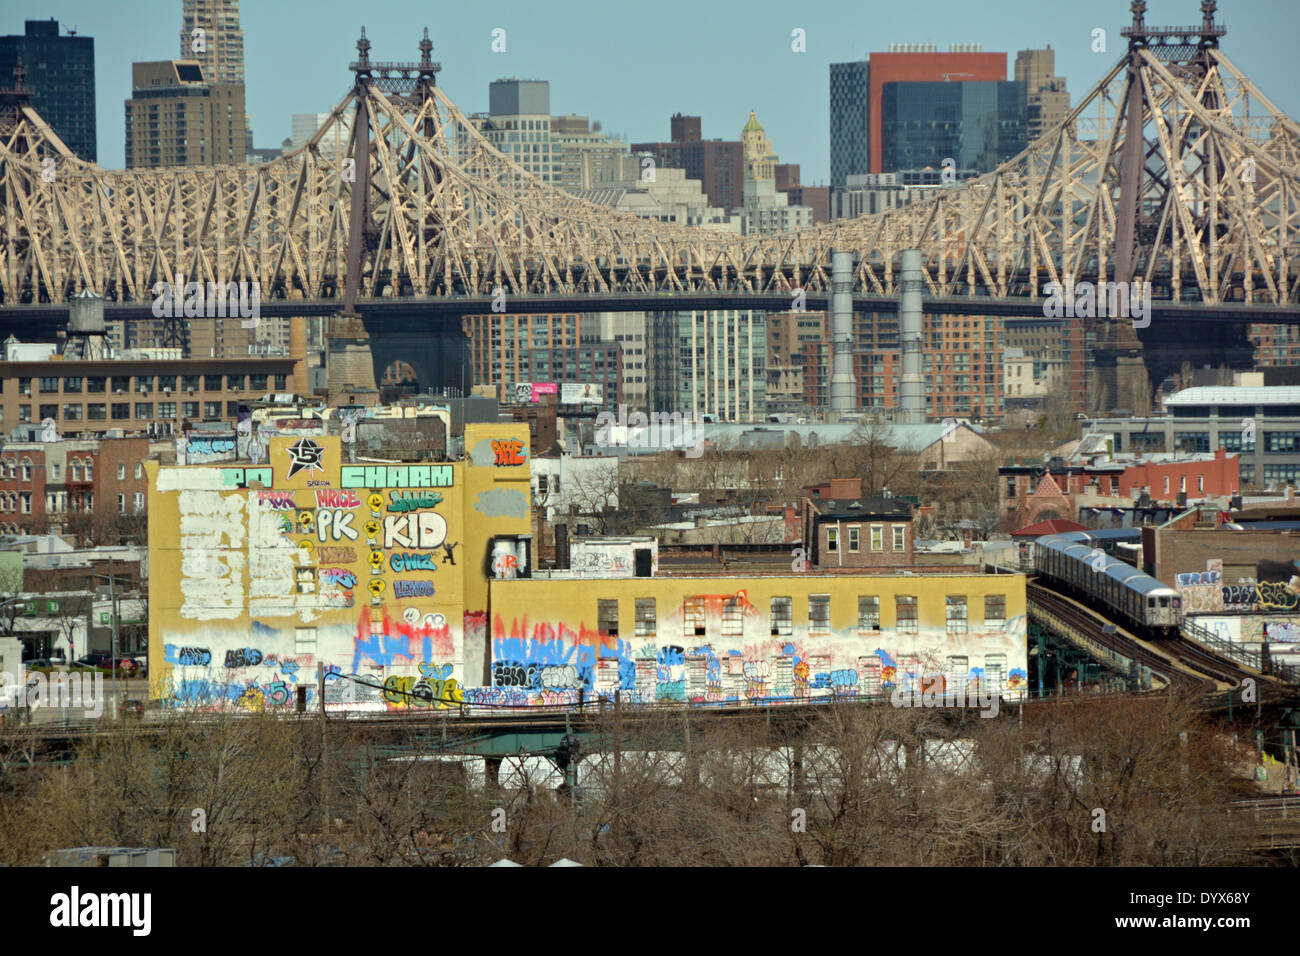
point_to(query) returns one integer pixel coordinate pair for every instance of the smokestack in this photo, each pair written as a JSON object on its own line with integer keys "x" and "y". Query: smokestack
{"x": 911, "y": 393}
{"x": 562, "y": 547}
{"x": 843, "y": 399}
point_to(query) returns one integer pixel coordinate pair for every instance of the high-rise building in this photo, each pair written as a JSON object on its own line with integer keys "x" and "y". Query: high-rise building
{"x": 219, "y": 48}
{"x": 210, "y": 33}
{"x": 333, "y": 144}
{"x": 961, "y": 362}
{"x": 764, "y": 211}
{"x": 977, "y": 124}
{"x": 1275, "y": 345}
{"x": 760, "y": 161}
{"x": 718, "y": 165}
{"x": 1047, "y": 100}
{"x": 584, "y": 155}
{"x": 850, "y": 121}
{"x": 764, "y": 208}
{"x": 60, "y": 73}
{"x": 869, "y": 193}
{"x": 787, "y": 334}
{"x": 628, "y": 330}
{"x": 856, "y": 90}
{"x": 667, "y": 196}
{"x": 722, "y": 365}
{"x": 518, "y": 124}
{"x": 817, "y": 198}
{"x": 508, "y": 349}
{"x": 176, "y": 118}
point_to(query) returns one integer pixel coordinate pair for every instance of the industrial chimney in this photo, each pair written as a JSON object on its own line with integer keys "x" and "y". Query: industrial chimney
{"x": 911, "y": 392}
{"x": 843, "y": 399}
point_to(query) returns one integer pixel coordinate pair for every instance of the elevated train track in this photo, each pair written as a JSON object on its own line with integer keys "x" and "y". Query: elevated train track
{"x": 1174, "y": 661}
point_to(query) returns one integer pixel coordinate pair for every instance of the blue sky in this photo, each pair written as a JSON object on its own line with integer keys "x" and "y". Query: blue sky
{"x": 632, "y": 65}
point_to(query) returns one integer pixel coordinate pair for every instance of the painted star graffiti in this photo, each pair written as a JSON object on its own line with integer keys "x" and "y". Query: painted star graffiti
{"x": 305, "y": 453}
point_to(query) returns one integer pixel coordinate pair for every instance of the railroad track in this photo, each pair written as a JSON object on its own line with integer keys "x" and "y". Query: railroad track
{"x": 1168, "y": 667}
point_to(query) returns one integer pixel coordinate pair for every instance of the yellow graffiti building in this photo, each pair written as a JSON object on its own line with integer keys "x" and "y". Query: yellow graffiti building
{"x": 375, "y": 574}
{"x": 757, "y": 638}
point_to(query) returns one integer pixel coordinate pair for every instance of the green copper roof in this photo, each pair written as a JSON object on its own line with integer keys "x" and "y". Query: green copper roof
{"x": 753, "y": 124}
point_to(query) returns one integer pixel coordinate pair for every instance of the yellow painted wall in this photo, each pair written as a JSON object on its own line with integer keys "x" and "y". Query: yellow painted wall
{"x": 546, "y": 642}
{"x": 257, "y": 575}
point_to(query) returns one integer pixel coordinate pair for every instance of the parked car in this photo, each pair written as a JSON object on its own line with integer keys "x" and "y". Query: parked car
{"x": 44, "y": 663}
{"x": 103, "y": 661}
{"x": 96, "y": 659}
{"x": 144, "y": 665}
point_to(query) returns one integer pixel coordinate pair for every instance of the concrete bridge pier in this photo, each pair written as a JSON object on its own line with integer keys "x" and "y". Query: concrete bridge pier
{"x": 349, "y": 363}
{"x": 425, "y": 351}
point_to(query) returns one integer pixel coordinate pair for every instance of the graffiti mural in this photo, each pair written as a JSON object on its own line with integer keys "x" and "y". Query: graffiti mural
{"x": 731, "y": 660}
{"x": 267, "y": 575}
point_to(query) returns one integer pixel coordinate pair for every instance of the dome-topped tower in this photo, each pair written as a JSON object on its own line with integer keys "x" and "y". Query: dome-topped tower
{"x": 760, "y": 161}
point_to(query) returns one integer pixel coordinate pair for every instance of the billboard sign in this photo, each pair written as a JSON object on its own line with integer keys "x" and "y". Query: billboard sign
{"x": 581, "y": 393}
{"x": 526, "y": 392}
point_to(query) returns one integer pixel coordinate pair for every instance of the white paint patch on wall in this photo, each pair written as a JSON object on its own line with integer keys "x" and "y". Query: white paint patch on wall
{"x": 1227, "y": 628}
{"x": 184, "y": 479}
{"x": 212, "y": 536}
{"x": 272, "y": 564}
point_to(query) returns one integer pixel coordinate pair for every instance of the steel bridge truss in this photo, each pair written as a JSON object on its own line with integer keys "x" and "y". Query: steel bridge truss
{"x": 1173, "y": 170}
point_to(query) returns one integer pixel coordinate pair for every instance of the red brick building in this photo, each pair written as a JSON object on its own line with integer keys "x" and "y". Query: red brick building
{"x": 961, "y": 362}
{"x": 75, "y": 483}
{"x": 1029, "y": 493}
{"x": 841, "y": 529}
{"x": 718, "y": 165}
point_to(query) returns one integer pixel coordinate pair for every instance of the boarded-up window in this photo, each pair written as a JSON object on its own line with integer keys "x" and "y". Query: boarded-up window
{"x": 956, "y": 671}
{"x": 905, "y": 609}
{"x": 995, "y": 672}
{"x": 868, "y": 676}
{"x": 304, "y": 640}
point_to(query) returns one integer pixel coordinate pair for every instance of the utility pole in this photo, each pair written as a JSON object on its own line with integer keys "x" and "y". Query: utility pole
{"x": 324, "y": 754}
{"x": 112, "y": 598}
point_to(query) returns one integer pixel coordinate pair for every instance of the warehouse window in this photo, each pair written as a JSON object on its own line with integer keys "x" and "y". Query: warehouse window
{"x": 868, "y": 613}
{"x": 955, "y": 613}
{"x": 646, "y": 619}
{"x": 693, "y": 617}
{"x": 995, "y": 612}
{"x": 782, "y": 617}
{"x": 607, "y": 616}
{"x": 905, "y": 610}
{"x": 819, "y": 612}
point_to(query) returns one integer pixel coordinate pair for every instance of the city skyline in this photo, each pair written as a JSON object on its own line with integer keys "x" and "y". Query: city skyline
{"x": 788, "y": 90}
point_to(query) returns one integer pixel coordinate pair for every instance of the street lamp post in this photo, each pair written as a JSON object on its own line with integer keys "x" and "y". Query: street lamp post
{"x": 111, "y": 577}
{"x": 19, "y": 604}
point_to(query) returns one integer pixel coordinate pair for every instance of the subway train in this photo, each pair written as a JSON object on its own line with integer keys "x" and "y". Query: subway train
{"x": 1136, "y": 601}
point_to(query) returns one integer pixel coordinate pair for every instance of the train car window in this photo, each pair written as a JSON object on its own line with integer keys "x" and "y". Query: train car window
{"x": 1164, "y": 602}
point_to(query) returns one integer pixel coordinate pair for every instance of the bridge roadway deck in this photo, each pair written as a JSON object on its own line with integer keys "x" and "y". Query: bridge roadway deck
{"x": 32, "y": 317}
